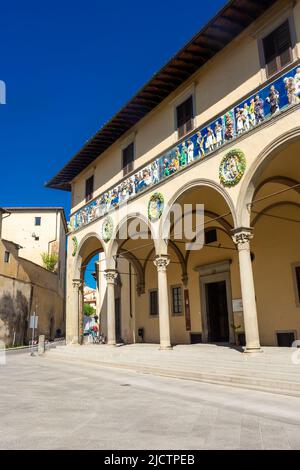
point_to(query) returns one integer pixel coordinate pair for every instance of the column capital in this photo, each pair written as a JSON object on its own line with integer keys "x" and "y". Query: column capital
{"x": 242, "y": 236}
{"x": 110, "y": 275}
{"x": 77, "y": 283}
{"x": 161, "y": 262}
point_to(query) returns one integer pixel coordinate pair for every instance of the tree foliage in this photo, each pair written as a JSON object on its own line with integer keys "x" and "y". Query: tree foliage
{"x": 89, "y": 310}
{"x": 50, "y": 261}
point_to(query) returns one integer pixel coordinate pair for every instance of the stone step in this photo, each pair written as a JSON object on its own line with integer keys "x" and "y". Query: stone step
{"x": 270, "y": 385}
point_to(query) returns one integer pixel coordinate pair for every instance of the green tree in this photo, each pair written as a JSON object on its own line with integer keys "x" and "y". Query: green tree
{"x": 50, "y": 261}
{"x": 89, "y": 310}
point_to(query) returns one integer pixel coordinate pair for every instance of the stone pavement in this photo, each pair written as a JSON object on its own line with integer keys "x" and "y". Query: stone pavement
{"x": 272, "y": 370}
{"x": 54, "y": 404}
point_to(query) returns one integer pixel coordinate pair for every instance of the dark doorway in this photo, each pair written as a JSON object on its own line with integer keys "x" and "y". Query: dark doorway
{"x": 118, "y": 320}
{"x": 217, "y": 313}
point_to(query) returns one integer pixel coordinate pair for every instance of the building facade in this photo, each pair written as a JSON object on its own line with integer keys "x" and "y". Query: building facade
{"x": 26, "y": 286}
{"x": 217, "y": 127}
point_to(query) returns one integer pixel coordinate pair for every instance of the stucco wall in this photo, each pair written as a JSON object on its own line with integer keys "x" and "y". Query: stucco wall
{"x": 26, "y": 287}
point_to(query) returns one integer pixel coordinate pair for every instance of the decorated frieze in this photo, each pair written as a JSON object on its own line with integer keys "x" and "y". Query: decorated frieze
{"x": 251, "y": 112}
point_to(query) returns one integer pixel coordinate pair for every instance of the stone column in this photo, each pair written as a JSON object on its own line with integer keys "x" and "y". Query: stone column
{"x": 77, "y": 313}
{"x": 110, "y": 277}
{"x": 241, "y": 238}
{"x": 161, "y": 262}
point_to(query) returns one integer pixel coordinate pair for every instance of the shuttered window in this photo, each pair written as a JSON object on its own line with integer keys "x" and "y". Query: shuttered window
{"x": 89, "y": 188}
{"x": 278, "y": 49}
{"x": 185, "y": 117}
{"x": 153, "y": 301}
{"x": 127, "y": 159}
{"x": 177, "y": 300}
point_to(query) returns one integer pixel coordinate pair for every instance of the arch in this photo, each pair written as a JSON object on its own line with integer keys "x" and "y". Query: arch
{"x": 80, "y": 257}
{"x": 226, "y": 225}
{"x": 284, "y": 180}
{"x": 258, "y": 166}
{"x": 200, "y": 182}
{"x": 272, "y": 206}
{"x": 114, "y": 245}
{"x": 138, "y": 269}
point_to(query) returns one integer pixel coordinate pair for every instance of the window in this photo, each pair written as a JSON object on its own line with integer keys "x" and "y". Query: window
{"x": 89, "y": 188}
{"x": 177, "y": 300}
{"x": 185, "y": 117}
{"x": 127, "y": 158}
{"x": 277, "y": 48}
{"x": 153, "y": 301}
{"x": 297, "y": 278}
{"x": 37, "y": 220}
{"x": 6, "y": 256}
{"x": 210, "y": 236}
{"x": 285, "y": 338}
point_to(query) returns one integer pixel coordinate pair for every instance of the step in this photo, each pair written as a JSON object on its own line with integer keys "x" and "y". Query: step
{"x": 270, "y": 385}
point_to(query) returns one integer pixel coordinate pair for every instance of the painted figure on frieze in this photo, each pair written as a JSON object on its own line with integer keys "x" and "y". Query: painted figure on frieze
{"x": 183, "y": 155}
{"x": 190, "y": 151}
{"x": 229, "y": 126}
{"x": 246, "y": 117}
{"x": 259, "y": 109}
{"x": 273, "y": 100}
{"x": 218, "y": 134}
{"x": 200, "y": 144}
{"x": 155, "y": 172}
{"x": 252, "y": 112}
{"x": 297, "y": 83}
{"x": 210, "y": 140}
{"x": 239, "y": 120}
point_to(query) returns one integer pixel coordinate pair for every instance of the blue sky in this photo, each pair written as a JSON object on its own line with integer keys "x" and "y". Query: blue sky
{"x": 68, "y": 67}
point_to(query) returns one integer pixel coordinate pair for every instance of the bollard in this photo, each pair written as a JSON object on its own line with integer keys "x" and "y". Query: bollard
{"x": 41, "y": 345}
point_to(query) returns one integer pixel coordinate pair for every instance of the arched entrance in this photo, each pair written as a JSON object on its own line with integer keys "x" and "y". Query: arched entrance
{"x": 211, "y": 274}
{"x": 89, "y": 246}
{"x": 271, "y": 206}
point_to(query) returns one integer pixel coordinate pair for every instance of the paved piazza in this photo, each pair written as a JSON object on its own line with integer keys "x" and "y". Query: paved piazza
{"x": 54, "y": 404}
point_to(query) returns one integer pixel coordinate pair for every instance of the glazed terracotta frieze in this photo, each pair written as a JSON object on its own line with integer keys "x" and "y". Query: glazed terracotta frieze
{"x": 257, "y": 108}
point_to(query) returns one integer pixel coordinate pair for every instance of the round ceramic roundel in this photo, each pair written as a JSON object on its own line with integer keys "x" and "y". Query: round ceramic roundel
{"x": 107, "y": 228}
{"x": 155, "y": 206}
{"x": 232, "y": 167}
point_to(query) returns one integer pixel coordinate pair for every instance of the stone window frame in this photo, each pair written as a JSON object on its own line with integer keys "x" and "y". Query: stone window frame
{"x": 174, "y": 286}
{"x": 269, "y": 27}
{"x": 296, "y": 288}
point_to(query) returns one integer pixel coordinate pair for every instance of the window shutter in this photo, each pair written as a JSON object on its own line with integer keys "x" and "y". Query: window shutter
{"x": 128, "y": 157}
{"x": 284, "y": 44}
{"x": 89, "y": 188}
{"x": 278, "y": 48}
{"x": 185, "y": 116}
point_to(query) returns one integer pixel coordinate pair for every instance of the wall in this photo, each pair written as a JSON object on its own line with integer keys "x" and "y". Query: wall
{"x": 24, "y": 288}
{"x": 20, "y": 225}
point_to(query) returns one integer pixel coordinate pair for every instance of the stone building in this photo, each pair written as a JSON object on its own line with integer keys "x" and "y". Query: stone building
{"x": 219, "y": 127}
{"x": 26, "y": 286}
